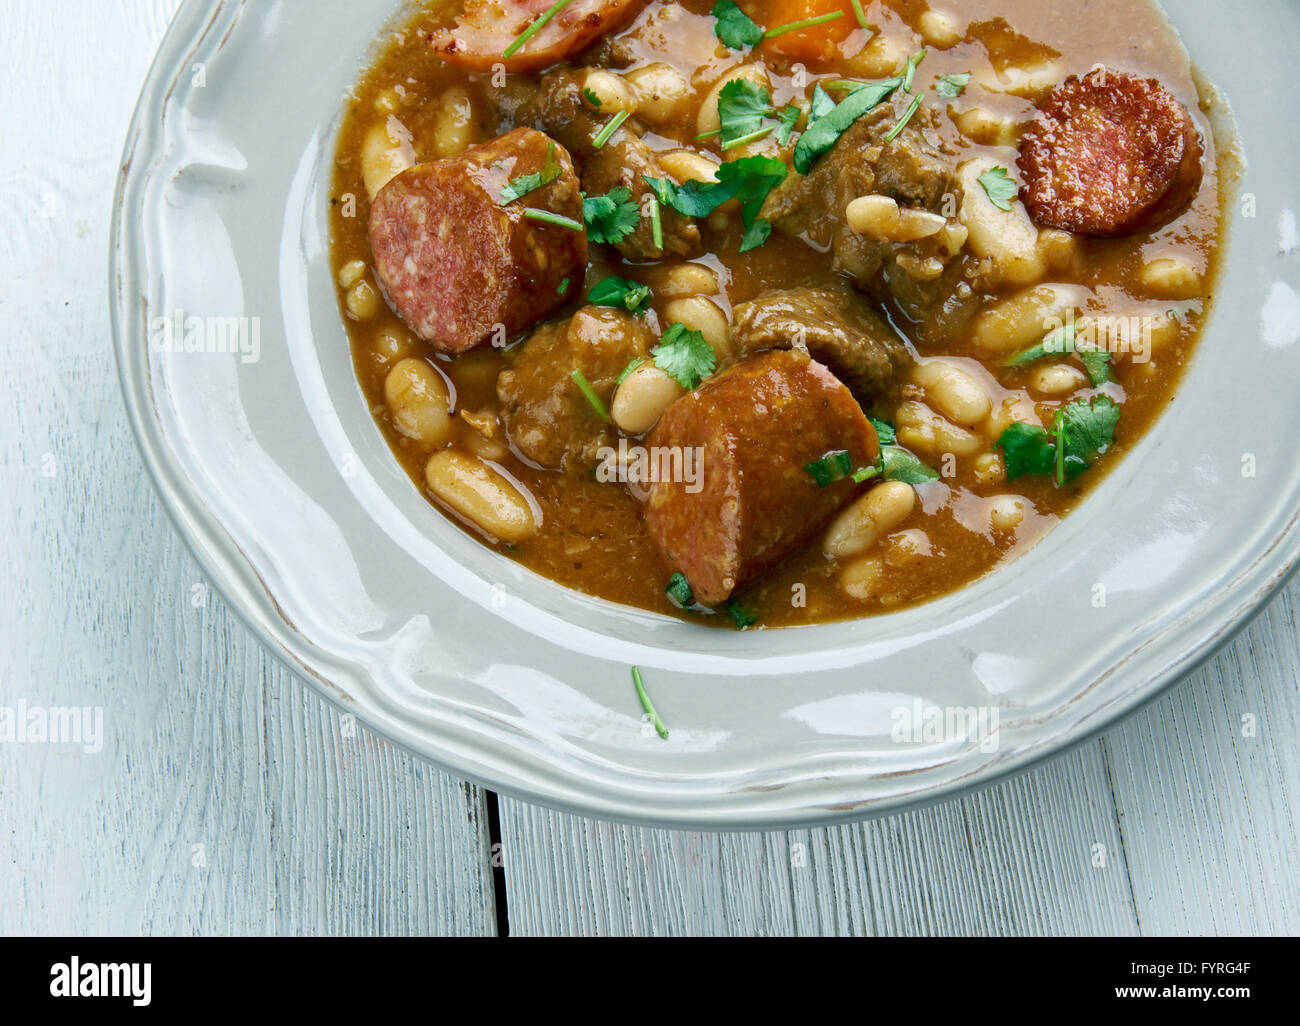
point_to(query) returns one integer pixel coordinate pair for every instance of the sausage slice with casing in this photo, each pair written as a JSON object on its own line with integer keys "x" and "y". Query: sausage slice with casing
{"x": 758, "y": 425}
{"x": 1110, "y": 154}
{"x": 460, "y": 265}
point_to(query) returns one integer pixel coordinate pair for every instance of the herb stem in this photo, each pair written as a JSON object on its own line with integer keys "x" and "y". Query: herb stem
{"x": 648, "y": 705}
{"x": 902, "y": 122}
{"x": 762, "y": 133}
{"x": 860, "y": 14}
{"x": 797, "y": 26}
{"x": 535, "y": 28}
{"x": 546, "y": 217}
{"x": 656, "y": 224}
{"x": 603, "y": 136}
{"x": 589, "y": 393}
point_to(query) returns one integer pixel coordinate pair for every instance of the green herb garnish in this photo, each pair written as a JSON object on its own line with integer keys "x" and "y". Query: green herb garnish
{"x": 834, "y": 466}
{"x": 633, "y": 364}
{"x": 913, "y": 62}
{"x": 685, "y": 356}
{"x": 749, "y": 180}
{"x": 952, "y": 85}
{"x": 656, "y": 224}
{"x": 799, "y": 26}
{"x": 611, "y": 218}
{"x": 679, "y": 591}
{"x": 549, "y": 217}
{"x": 535, "y": 28}
{"x": 525, "y": 184}
{"x": 897, "y": 464}
{"x": 1063, "y": 341}
{"x": 736, "y": 29}
{"x": 1001, "y": 190}
{"x": 884, "y": 431}
{"x": 788, "y": 118}
{"x": 893, "y": 133}
{"x": 860, "y": 14}
{"x": 742, "y": 615}
{"x": 589, "y": 393}
{"x": 592, "y": 98}
{"x": 604, "y": 134}
{"x": 647, "y": 705}
{"x": 824, "y": 132}
{"x": 563, "y": 287}
{"x": 1080, "y": 432}
{"x": 619, "y": 292}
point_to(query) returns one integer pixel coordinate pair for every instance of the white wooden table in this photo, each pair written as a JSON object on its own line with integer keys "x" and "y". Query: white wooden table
{"x": 226, "y": 798}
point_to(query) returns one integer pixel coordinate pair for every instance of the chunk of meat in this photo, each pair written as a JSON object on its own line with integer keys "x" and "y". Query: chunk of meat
{"x": 925, "y": 281}
{"x": 548, "y": 419}
{"x": 1110, "y": 154}
{"x": 457, "y": 264}
{"x": 622, "y": 162}
{"x": 837, "y": 326}
{"x": 756, "y": 426}
{"x": 487, "y": 28}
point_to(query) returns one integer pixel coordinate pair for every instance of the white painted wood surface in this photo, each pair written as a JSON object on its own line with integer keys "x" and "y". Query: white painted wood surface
{"x": 228, "y": 798}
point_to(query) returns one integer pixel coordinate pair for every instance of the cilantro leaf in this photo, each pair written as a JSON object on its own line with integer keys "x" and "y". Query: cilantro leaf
{"x": 742, "y": 615}
{"x": 788, "y": 117}
{"x": 1026, "y": 449}
{"x": 909, "y": 73}
{"x": 679, "y": 591}
{"x": 1097, "y": 363}
{"x": 749, "y": 180}
{"x": 632, "y": 365}
{"x": 952, "y": 85}
{"x": 834, "y": 466}
{"x": 897, "y": 464}
{"x": 823, "y": 133}
{"x": 1058, "y": 342}
{"x": 743, "y": 106}
{"x": 1001, "y": 190}
{"x": 619, "y": 292}
{"x": 611, "y": 218}
{"x": 524, "y": 184}
{"x": 884, "y": 431}
{"x": 592, "y": 98}
{"x": 736, "y": 29}
{"x": 822, "y": 104}
{"x": 684, "y": 355}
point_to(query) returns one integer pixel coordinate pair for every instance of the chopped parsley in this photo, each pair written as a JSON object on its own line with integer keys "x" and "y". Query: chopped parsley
{"x": 736, "y": 29}
{"x": 950, "y": 86}
{"x": 589, "y": 393}
{"x": 525, "y": 184}
{"x": 619, "y": 292}
{"x": 884, "y": 431}
{"x": 679, "y": 591}
{"x": 646, "y": 704}
{"x": 827, "y": 124}
{"x": 1001, "y": 190}
{"x": 592, "y": 98}
{"x": 685, "y": 356}
{"x": 611, "y": 218}
{"x": 550, "y": 217}
{"x": 1081, "y": 431}
{"x": 603, "y": 136}
{"x": 535, "y": 28}
{"x": 834, "y": 466}
{"x": 749, "y": 180}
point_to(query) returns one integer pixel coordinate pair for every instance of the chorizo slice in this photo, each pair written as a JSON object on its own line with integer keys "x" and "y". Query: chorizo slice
{"x": 755, "y": 428}
{"x": 1110, "y": 154}
{"x": 457, "y": 263}
{"x": 488, "y": 28}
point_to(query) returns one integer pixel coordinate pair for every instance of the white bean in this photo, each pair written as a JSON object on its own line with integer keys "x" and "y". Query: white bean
{"x": 939, "y": 30}
{"x": 661, "y": 92}
{"x": 1171, "y": 278}
{"x": 642, "y": 399}
{"x": 869, "y": 519}
{"x": 702, "y": 315}
{"x": 385, "y": 153}
{"x": 1058, "y": 379}
{"x": 1025, "y": 318}
{"x": 957, "y": 394}
{"x": 455, "y": 122}
{"x": 1006, "y": 512}
{"x": 481, "y": 495}
{"x": 920, "y": 428}
{"x": 351, "y": 273}
{"x": 918, "y": 224}
{"x": 688, "y": 166}
{"x": 418, "y": 401}
{"x": 989, "y": 469}
{"x": 363, "y": 301}
{"x": 686, "y": 280}
{"x": 1007, "y": 237}
{"x": 986, "y": 128}
{"x": 875, "y": 216}
{"x": 611, "y": 90}
{"x": 881, "y": 57}
{"x": 861, "y": 579}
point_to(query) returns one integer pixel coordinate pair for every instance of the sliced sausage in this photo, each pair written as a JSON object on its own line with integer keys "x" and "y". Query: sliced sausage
{"x": 1110, "y": 154}
{"x": 488, "y": 28}
{"x": 758, "y": 424}
{"x": 458, "y": 264}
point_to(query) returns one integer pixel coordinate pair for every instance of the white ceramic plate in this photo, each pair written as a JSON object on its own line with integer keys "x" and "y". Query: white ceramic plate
{"x": 275, "y": 474}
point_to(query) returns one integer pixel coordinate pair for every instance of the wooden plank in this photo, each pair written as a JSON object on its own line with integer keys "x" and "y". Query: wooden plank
{"x": 227, "y": 797}
{"x": 1209, "y": 813}
{"x": 1016, "y": 859}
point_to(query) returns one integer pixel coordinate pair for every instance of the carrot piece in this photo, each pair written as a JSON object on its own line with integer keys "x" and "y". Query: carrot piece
{"x": 817, "y": 43}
